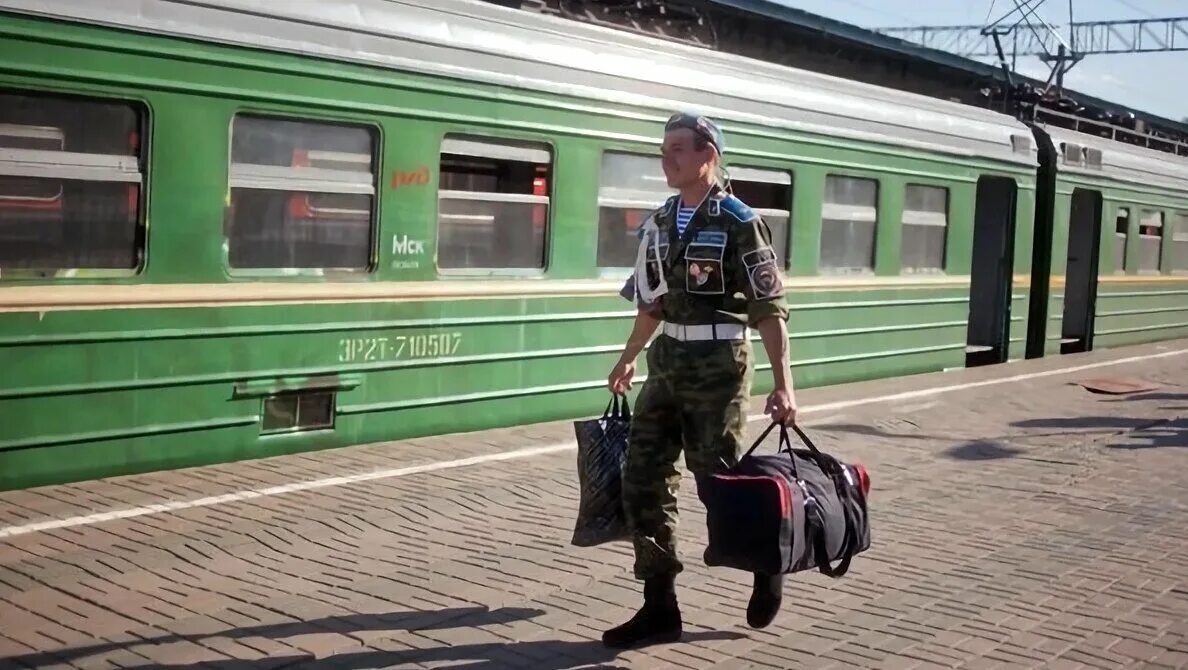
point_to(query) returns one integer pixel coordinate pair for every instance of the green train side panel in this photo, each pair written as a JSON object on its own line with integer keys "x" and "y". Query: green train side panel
{"x": 113, "y": 398}
{"x": 87, "y": 394}
{"x": 1138, "y": 313}
{"x": 194, "y": 91}
{"x": 1132, "y": 307}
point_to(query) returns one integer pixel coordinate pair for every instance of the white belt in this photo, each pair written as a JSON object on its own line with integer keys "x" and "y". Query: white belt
{"x": 708, "y": 331}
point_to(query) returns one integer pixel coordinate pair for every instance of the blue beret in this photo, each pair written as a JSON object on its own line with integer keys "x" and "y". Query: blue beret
{"x": 700, "y": 125}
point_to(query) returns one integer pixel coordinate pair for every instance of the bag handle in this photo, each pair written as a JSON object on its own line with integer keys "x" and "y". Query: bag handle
{"x": 849, "y": 541}
{"x": 803, "y": 438}
{"x": 821, "y": 550}
{"x": 785, "y": 445}
{"x": 616, "y": 411}
{"x": 759, "y": 440}
{"x": 785, "y": 442}
{"x": 831, "y": 469}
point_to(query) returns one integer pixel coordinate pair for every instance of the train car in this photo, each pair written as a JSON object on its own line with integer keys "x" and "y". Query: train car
{"x": 254, "y": 229}
{"x": 1117, "y": 244}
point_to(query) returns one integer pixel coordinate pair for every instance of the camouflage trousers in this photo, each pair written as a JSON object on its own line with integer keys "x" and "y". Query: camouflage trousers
{"x": 694, "y": 399}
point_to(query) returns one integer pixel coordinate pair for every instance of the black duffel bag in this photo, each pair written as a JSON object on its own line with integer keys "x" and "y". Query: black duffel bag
{"x": 794, "y": 510}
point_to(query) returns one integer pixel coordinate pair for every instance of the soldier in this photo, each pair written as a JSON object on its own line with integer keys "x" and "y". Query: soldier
{"x": 705, "y": 271}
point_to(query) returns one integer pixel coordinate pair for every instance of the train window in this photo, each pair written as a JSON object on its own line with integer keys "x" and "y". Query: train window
{"x": 1150, "y": 240}
{"x": 632, "y": 187}
{"x": 1121, "y": 237}
{"x": 848, "y": 220}
{"x": 71, "y": 178}
{"x": 769, "y": 193}
{"x": 1180, "y": 242}
{"x": 925, "y": 224}
{"x": 493, "y": 206}
{"x": 302, "y": 195}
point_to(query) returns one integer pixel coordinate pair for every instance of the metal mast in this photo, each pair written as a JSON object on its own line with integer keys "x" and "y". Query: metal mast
{"x": 1094, "y": 37}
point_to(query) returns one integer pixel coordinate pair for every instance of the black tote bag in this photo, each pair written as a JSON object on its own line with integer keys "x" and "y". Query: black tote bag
{"x": 601, "y": 455}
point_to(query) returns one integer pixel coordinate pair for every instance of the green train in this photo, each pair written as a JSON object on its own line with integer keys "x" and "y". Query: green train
{"x": 231, "y": 229}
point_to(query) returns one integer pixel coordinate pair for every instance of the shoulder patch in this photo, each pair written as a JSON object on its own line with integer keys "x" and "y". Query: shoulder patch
{"x": 669, "y": 205}
{"x": 737, "y": 209}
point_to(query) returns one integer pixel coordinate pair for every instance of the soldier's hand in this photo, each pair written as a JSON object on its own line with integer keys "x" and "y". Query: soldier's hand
{"x": 781, "y": 407}
{"x": 619, "y": 380}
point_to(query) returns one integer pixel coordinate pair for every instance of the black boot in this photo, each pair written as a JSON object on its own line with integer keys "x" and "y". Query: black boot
{"x": 766, "y": 597}
{"x": 658, "y": 621}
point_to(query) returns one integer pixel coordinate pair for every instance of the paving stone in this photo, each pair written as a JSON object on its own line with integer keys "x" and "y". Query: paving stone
{"x": 1024, "y": 524}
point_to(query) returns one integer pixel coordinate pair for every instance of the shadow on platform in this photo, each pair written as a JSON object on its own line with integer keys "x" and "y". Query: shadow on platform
{"x": 982, "y": 450}
{"x": 1166, "y": 434}
{"x": 1129, "y": 432}
{"x": 1109, "y": 423}
{"x": 976, "y": 450}
{"x": 1133, "y": 433}
{"x": 458, "y": 617}
{"x": 1155, "y": 395}
{"x": 537, "y": 655}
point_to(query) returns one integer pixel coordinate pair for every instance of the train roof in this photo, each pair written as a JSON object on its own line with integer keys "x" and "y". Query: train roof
{"x": 1091, "y": 155}
{"x": 478, "y": 41}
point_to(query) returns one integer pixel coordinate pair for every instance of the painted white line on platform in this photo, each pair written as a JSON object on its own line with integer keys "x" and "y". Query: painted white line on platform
{"x": 312, "y": 484}
{"x": 935, "y": 390}
{"x": 292, "y": 487}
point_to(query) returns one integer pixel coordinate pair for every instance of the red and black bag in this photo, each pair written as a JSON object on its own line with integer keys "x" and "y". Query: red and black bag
{"x": 794, "y": 510}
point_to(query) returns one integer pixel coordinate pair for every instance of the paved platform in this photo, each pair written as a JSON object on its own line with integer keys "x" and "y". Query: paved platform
{"x": 1018, "y": 521}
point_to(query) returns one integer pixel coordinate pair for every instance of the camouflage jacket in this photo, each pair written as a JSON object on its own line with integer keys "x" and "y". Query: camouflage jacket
{"x": 722, "y": 270}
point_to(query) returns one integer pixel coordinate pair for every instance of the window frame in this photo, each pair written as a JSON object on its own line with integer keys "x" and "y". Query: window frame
{"x": 947, "y": 225}
{"x": 1179, "y": 225}
{"x": 115, "y": 165}
{"x": 625, "y": 203}
{"x": 482, "y": 136}
{"x": 784, "y": 171}
{"x": 1162, "y": 237}
{"x": 878, "y": 216}
{"x": 1124, "y": 237}
{"x": 271, "y": 178}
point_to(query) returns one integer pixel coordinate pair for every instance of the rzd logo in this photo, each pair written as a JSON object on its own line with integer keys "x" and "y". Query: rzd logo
{"x": 418, "y": 177}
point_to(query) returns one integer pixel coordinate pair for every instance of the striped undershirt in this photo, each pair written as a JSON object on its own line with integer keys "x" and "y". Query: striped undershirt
{"x": 684, "y": 216}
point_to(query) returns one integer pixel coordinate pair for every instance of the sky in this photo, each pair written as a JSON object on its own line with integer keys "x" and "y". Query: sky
{"x": 1154, "y": 82}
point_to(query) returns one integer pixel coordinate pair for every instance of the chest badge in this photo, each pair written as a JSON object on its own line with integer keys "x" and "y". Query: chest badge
{"x": 700, "y": 273}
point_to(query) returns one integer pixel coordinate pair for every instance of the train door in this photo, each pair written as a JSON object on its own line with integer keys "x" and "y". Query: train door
{"x": 1080, "y": 276}
{"x": 988, "y": 335}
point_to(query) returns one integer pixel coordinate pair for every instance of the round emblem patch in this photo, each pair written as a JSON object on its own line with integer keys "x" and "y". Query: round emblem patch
{"x": 767, "y": 280}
